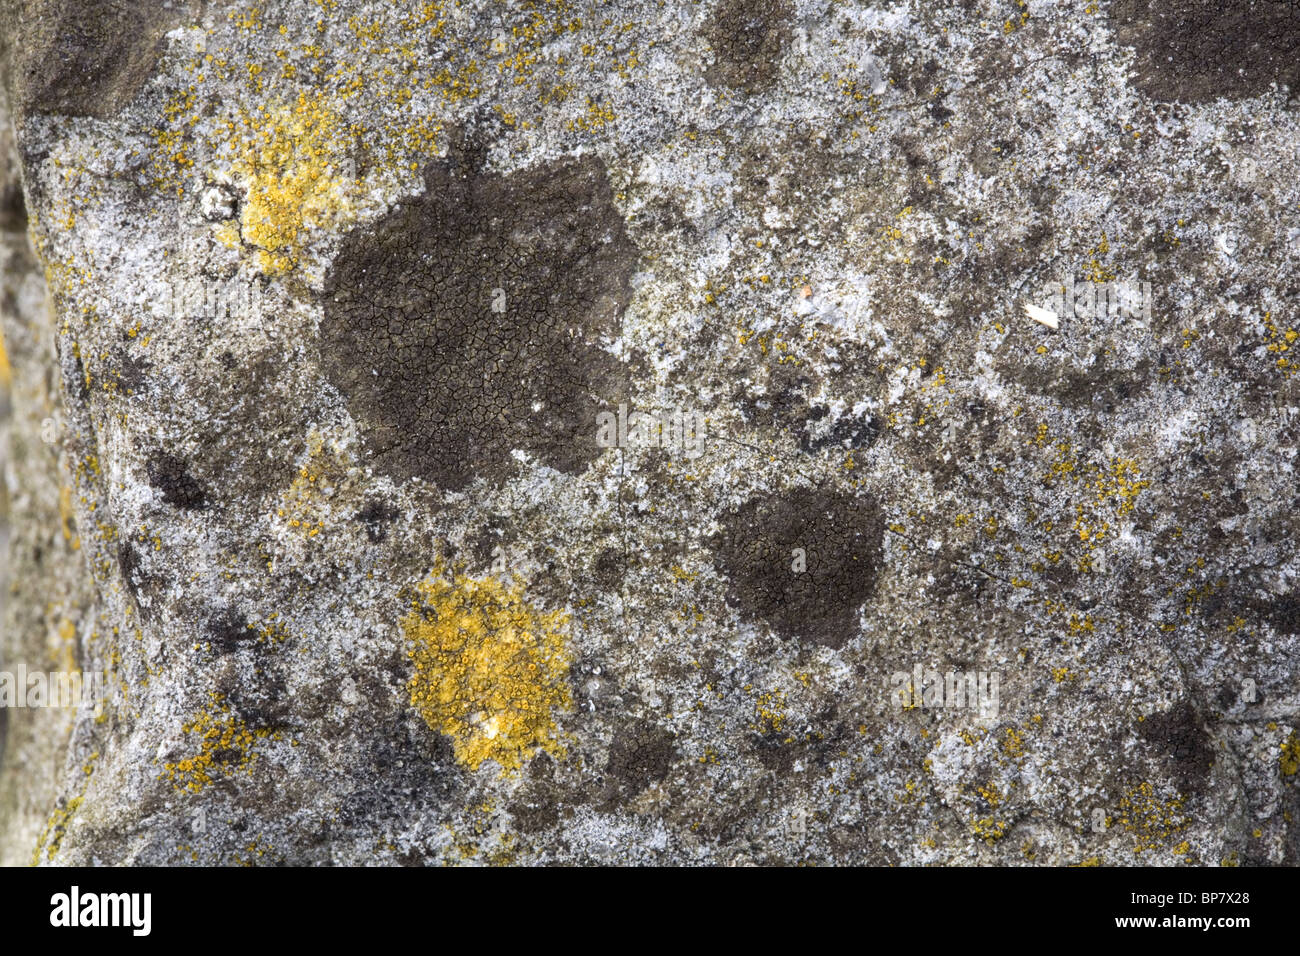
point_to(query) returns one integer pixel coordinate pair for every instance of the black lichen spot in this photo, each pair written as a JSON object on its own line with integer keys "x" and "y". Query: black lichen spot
{"x": 401, "y": 770}
{"x": 146, "y": 588}
{"x": 253, "y": 683}
{"x": 179, "y": 488}
{"x": 937, "y": 110}
{"x": 748, "y": 38}
{"x": 228, "y": 629}
{"x": 75, "y": 380}
{"x": 1198, "y": 50}
{"x": 1179, "y": 736}
{"x": 128, "y": 559}
{"x": 637, "y": 760}
{"x": 537, "y": 807}
{"x": 475, "y": 320}
{"x": 377, "y": 516}
{"x": 13, "y": 207}
{"x": 609, "y": 569}
{"x": 128, "y": 375}
{"x": 804, "y": 561}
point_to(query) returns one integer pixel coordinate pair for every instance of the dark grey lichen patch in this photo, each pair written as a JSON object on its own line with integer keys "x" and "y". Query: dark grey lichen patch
{"x": 376, "y": 516}
{"x": 802, "y": 561}
{"x": 228, "y": 630}
{"x": 171, "y": 475}
{"x": 1181, "y": 739}
{"x": 748, "y": 39}
{"x": 478, "y": 319}
{"x": 1199, "y": 50}
{"x": 85, "y": 57}
{"x": 638, "y": 760}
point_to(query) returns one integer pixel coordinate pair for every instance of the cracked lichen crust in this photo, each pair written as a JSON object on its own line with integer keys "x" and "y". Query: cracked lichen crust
{"x": 479, "y": 318}
{"x": 1197, "y": 50}
{"x": 802, "y": 561}
{"x": 748, "y": 39}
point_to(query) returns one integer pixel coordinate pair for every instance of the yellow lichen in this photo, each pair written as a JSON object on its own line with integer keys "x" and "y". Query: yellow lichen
{"x": 1290, "y": 759}
{"x": 1153, "y": 822}
{"x": 6, "y": 374}
{"x": 226, "y": 744}
{"x": 325, "y": 468}
{"x": 490, "y": 669}
{"x": 290, "y": 159}
{"x": 52, "y": 837}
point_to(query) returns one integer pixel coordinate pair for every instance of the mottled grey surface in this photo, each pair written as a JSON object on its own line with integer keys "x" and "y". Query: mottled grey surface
{"x": 313, "y": 308}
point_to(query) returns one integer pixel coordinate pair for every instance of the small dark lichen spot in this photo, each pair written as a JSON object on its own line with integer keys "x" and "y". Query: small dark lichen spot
{"x": 637, "y": 760}
{"x": 840, "y": 537}
{"x": 377, "y": 516}
{"x": 144, "y": 587}
{"x": 610, "y": 569}
{"x": 226, "y": 755}
{"x": 476, "y": 320}
{"x": 402, "y": 770}
{"x": 74, "y": 379}
{"x": 13, "y": 207}
{"x": 938, "y": 111}
{"x": 537, "y": 807}
{"x": 179, "y": 488}
{"x": 1180, "y": 737}
{"x": 748, "y": 38}
{"x": 128, "y": 374}
{"x": 128, "y": 559}
{"x": 228, "y": 629}
{"x": 1194, "y": 51}
{"x": 254, "y": 685}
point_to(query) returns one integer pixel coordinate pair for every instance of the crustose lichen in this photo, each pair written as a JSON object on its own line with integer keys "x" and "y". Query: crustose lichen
{"x": 490, "y": 670}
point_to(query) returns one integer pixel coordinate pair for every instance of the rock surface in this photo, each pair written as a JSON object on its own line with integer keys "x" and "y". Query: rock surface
{"x": 327, "y": 324}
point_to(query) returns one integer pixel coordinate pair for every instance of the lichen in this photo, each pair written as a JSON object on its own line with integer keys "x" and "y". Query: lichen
{"x": 6, "y": 373}
{"x": 1152, "y": 821}
{"x": 490, "y": 669}
{"x": 226, "y": 745}
{"x": 289, "y": 159}
{"x": 1289, "y": 761}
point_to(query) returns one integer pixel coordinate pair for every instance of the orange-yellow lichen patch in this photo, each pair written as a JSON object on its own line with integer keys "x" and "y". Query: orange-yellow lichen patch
{"x": 291, "y": 161}
{"x": 6, "y": 374}
{"x": 226, "y": 745}
{"x": 1290, "y": 759}
{"x": 1153, "y": 822}
{"x": 490, "y": 670}
{"x": 1281, "y": 343}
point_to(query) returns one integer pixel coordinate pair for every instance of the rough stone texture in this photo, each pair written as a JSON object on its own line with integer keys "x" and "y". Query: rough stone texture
{"x": 273, "y": 435}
